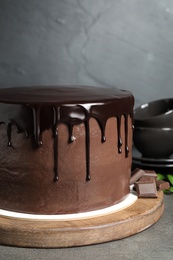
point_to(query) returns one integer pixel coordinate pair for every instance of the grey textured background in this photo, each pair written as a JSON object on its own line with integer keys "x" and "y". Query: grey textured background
{"x": 122, "y": 43}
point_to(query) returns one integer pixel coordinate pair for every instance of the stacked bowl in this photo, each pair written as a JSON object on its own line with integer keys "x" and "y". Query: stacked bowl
{"x": 153, "y": 129}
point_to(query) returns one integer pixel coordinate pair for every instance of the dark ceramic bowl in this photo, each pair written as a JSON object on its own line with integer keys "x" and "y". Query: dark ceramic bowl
{"x": 158, "y": 113}
{"x": 153, "y": 142}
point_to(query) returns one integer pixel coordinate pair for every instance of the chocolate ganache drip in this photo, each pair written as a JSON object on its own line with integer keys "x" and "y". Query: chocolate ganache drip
{"x": 33, "y": 110}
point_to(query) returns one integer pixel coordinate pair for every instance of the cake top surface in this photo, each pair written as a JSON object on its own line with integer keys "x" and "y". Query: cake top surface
{"x": 61, "y": 95}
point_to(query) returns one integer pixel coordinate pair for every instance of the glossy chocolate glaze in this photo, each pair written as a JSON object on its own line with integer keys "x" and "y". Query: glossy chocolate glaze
{"x": 33, "y": 110}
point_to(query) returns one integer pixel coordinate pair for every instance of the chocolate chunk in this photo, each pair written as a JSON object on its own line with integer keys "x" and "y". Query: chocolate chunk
{"x": 150, "y": 173}
{"x": 136, "y": 175}
{"x": 162, "y": 185}
{"x": 146, "y": 189}
{"x": 147, "y": 178}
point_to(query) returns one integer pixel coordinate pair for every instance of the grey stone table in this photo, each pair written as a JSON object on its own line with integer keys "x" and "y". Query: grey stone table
{"x": 155, "y": 242}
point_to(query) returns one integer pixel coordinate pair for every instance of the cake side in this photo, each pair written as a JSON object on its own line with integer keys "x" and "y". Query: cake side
{"x": 49, "y": 172}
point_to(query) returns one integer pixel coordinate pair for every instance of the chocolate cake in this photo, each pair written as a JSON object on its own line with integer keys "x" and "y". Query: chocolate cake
{"x": 64, "y": 149}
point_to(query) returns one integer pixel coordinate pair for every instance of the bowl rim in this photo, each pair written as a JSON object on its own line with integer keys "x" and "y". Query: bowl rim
{"x": 153, "y": 128}
{"x": 147, "y": 104}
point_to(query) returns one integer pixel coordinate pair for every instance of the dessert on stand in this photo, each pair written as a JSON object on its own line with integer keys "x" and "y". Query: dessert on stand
{"x": 65, "y": 168}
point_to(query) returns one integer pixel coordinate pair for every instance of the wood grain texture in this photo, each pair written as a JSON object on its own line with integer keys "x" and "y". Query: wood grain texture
{"x": 56, "y": 234}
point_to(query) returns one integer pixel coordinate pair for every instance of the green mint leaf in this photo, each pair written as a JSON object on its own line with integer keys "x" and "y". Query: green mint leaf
{"x": 170, "y": 178}
{"x": 171, "y": 189}
{"x": 160, "y": 176}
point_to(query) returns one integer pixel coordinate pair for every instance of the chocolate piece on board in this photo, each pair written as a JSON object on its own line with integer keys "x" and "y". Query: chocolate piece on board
{"x": 146, "y": 189}
{"x": 147, "y": 178}
{"x": 136, "y": 175}
{"x": 150, "y": 173}
{"x": 162, "y": 185}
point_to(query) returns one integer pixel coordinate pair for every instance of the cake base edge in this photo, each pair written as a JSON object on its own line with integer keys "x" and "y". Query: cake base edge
{"x": 57, "y": 234}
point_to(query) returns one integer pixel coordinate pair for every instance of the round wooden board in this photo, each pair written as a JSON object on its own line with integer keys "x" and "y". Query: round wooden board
{"x": 56, "y": 234}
